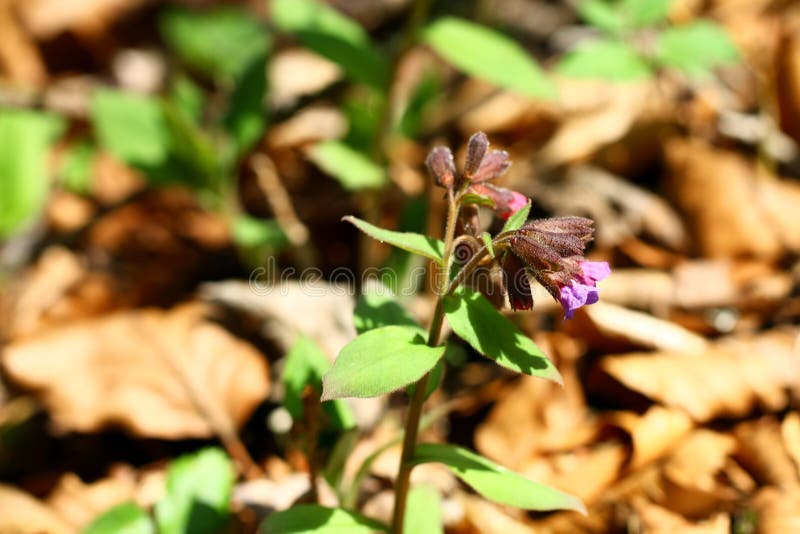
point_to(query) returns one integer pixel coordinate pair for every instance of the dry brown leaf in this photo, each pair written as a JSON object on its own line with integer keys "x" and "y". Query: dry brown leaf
{"x": 160, "y": 374}
{"x": 790, "y": 432}
{"x": 20, "y": 513}
{"x": 297, "y": 72}
{"x": 47, "y": 18}
{"x": 654, "y": 519}
{"x": 596, "y": 114}
{"x": 484, "y": 516}
{"x": 690, "y": 476}
{"x": 583, "y": 473}
{"x": 761, "y": 450}
{"x": 643, "y": 329}
{"x": 79, "y": 503}
{"x": 778, "y": 511}
{"x": 730, "y": 378}
{"x": 311, "y": 124}
{"x": 653, "y": 434}
{"x": 751, "y": 215}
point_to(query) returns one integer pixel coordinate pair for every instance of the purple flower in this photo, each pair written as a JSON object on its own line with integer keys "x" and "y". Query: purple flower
{"x": 581, "y": 289}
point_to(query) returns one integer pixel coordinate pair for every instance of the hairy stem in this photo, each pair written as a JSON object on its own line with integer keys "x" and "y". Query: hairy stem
{"x": 420, "y": 388}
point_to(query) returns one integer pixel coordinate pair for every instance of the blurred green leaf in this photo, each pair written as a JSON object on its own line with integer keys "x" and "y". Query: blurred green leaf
{"x": 410, "y": 241}
{"x": 695, "y": 48}
{"x": 125, "y": 518}
{"x": 487, "y": 242}
{"x": 378, "y": 362}
{"x": 377, "y": 307}
{"x": 423, "y": 511}
{"x": 604, "y": 59}
{"x": 495, "y": 482}
{"x": 305, "y": 365}
{"x": 198, "y": 492}
{"x": 425, "y": 94}
{"x": 316, "y": 519}
{"x": 352, "y": 169}
{"x": 26, "y": 137}
{"x": 76, "y": 169}
{"x": 194, "y": 148}
{"x": 477, "y": 322}
{"x": 130, "y": 126}
{"x": 253, "y": 232}
{"x": 188, "y": 97}
{"x": 335, "y": 36}
{"x": 246, "y": 116}
{"x": 220, "y": 42}
{"x": 643, "y": 13}
{"x": 602, "y": 14}
{"x": 488, "y": 54}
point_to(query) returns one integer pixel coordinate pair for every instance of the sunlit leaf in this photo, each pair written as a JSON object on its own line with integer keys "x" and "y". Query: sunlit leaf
{"x": 495, "y": 482}
{"x": 487, "y": 242}
{"x": 603, "y": 59}
{"x": 26, "y": 138}
{"x": 125, "y": 518}
{"x": 517, "y": 219}
{"x": 477, "y": 322}
{"x": 76, "y": 170}
{"x": 316, "y": 519}
{"x": 351, "y": 168}
{"x": 642, "y": 13}
{"x": 601, "y": 14}
{"x": 221, "y": 42}
{"x": 198, "y": 492}
{"x": 380, "y": 361}
{"x": 695, "y": 48}
{"x": 488, "y": 54}
{"x": 328, "y": 32}
{"x": 412, "y": 242}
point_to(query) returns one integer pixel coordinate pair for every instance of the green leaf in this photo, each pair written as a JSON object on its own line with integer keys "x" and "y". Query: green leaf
{"x": 198, "y": 492}
{"x": 378, "y": 362}
{"x": 604, "y": 59}
{"x": 518, "y": 218}
{"x": 316, "y": 519}
{"x": 220, "y": 42}
{"x": 487, "y": 240}
{"x": 76, "y": 170}
{"x": 130, "y": 126}
{"x": 495, "y": 482}
{"x": 601, "y": 14}
{"x": 337, "y": 460}
{"x": 305, "y": 365}
{"x": 423, "y": 511}
{"x": 253, "y": 232}
{"x": 412, "y": 242}
{"x": 478, "y": 323}
{"x": 246, "y": 116}
{"x": 125, "y": 518}
{"x": 187, "y": 97}
{"x": 695, "y": 48}
{"x": 26, "y": 137}
{"x": 488, "y": 54}
{"x": 643, "y": 13}
{"x": 193, "y": 147}
{"x": 377, "y": 307}
{"x": 331, "y": 34}
{"x": 351, "y": 168}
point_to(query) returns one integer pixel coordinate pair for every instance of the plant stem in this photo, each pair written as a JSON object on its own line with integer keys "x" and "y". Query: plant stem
{"x": 421, "y": 387}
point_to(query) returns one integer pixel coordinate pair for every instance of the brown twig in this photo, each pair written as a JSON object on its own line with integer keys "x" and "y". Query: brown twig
{"x": 281, "y": 204}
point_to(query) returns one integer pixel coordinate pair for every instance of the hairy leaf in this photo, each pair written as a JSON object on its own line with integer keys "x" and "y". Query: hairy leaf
{"x": 412, "y": 242}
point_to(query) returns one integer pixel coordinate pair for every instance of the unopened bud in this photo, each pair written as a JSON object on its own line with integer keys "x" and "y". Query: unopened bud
{"x": 476, "y": 150}
{"x": 441, "y": 165}
{"x": 494, "y": 165}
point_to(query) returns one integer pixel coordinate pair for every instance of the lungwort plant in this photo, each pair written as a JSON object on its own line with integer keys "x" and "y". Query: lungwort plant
{"x": 475, "y": 268}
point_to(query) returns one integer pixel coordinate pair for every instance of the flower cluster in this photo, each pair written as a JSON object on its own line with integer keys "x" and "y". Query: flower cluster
{"x": 549, "y": 250}
{"x": 481, "y": 167}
